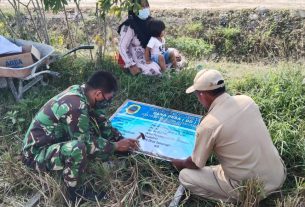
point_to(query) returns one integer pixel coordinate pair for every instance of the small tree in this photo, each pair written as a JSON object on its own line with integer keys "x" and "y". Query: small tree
{"x": 104, "y": 9}
{"x": 106, "y": 6}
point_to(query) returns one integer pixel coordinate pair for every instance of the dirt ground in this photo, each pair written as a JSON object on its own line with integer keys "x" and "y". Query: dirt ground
{"x": 208, "y": 4}
{"x": 225, "y": 4}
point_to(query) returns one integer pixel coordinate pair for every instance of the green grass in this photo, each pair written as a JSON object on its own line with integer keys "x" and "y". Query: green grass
{"x": 141, "y": 181}
{"x": 228, "y": 32}
{"x": 279, "y": 35}
{"x": 193, "y": 48}
{"x": 194, "y": 29}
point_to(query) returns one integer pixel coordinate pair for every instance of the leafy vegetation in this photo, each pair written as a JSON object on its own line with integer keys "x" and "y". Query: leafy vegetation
{"x": 194, "y": 29}
{"x": 187, "y": 45}
{"x": 243, "y": 35}
{"x": 142, "y": 181}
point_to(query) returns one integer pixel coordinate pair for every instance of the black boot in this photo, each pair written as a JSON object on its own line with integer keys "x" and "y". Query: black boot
{"x": 82, "y": 194}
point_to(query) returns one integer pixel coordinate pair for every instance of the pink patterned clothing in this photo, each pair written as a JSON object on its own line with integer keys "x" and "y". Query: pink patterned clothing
{"x": 132, "y": 52}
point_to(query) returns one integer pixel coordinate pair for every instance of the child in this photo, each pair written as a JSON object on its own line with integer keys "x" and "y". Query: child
{"x": 155, "y": 49}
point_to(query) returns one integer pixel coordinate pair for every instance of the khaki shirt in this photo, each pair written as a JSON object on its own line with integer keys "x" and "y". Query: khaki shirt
{"x": 234, "y": 129}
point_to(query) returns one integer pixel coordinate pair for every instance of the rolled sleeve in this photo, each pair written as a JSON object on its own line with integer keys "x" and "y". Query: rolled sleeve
{"x": 106, "y": 146}
{"x": 203, "y": 146}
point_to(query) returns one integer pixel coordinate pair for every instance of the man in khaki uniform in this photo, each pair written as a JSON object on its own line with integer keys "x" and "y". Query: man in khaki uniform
{"x": 235, "y": 131}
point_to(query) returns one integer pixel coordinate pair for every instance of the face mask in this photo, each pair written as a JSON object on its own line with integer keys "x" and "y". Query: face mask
{"x": 103, "y": 104}
{"x": 144, "y": 13}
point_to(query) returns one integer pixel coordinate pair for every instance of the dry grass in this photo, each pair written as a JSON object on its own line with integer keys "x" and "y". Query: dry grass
{"x": 130, "y": 181}
{"x": 142, "y": 181}
{"x": 251, "y": 193}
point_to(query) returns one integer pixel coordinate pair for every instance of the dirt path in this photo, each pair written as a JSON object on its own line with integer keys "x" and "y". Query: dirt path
{"x": 209, "y": 4}
{"x": 225, "y": 4}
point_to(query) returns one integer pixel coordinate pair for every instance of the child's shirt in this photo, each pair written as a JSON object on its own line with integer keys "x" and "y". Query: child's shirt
{"x": 157, "y": 46}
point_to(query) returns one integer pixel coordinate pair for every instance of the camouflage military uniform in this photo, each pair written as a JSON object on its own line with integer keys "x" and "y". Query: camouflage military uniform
{"x": 64, "y": 132}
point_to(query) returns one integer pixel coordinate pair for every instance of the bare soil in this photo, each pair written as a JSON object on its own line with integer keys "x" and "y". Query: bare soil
{"x": 226, "y": 4}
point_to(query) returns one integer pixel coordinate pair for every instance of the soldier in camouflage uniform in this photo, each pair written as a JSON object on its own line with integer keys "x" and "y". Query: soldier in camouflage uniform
{"x": 71, "y": 126}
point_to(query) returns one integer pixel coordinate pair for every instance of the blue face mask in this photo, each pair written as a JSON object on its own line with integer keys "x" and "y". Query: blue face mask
{"x": 144, "y": 13}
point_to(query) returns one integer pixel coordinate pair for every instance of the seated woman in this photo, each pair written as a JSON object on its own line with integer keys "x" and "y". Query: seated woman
{"x": 134, "y": 36}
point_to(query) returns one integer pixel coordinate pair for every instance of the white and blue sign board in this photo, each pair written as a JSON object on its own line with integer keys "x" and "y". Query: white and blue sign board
{"x": 168, "y": 133}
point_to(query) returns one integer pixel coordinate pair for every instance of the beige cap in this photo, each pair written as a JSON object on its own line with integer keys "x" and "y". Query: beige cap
{"x": 206, "y": 80}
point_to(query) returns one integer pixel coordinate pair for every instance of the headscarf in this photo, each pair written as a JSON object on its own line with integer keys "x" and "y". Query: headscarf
{"x": 139, "y": 26}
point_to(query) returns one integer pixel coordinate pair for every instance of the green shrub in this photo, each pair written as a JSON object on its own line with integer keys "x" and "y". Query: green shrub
{"x": 195, "y": 29}
{"x": 228, "y": 32}
{"x": 191, "y": 47}
{"x": 225, "y": 39}
{"x": 3, "y": 29}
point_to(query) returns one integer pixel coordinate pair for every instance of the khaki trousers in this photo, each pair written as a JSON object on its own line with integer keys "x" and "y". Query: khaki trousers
{"x": 210, "y": 182}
